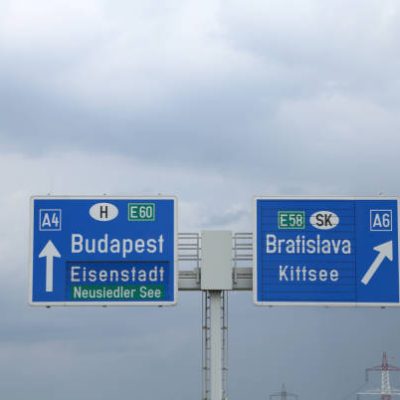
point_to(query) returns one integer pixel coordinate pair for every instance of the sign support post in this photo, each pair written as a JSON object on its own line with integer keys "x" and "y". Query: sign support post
{"x": 216, "y": 344}
{"x": 216, "y": 277}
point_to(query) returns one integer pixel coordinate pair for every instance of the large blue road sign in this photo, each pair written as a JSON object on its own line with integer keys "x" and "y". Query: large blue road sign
{"x": 339, "y": 251}
{"x": 103, "y": 251}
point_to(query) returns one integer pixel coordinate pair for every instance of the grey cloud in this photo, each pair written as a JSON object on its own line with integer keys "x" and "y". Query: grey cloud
{"x": 275, "y": 116}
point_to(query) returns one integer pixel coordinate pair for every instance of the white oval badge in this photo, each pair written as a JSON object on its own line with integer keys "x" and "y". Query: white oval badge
{"x": 103, "y": 212}
{"x": 324, "y": 220}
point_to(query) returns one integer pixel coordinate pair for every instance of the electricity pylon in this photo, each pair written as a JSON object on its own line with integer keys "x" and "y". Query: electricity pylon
{"x": 283, "y": 395}
{"x": 385, "y": 391}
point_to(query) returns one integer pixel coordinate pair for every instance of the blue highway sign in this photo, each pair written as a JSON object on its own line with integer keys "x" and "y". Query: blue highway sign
{"x": 103, "y": 251}
{"x": 326, "y": 251}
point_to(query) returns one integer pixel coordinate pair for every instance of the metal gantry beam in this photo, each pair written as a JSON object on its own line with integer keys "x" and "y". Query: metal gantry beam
{"x": 189, "y": 280}
{"x": 189, "y": 255}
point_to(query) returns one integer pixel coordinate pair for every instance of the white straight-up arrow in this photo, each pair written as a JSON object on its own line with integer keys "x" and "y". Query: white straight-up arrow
{"x": 49, "y": 251}
{"x": 385, "y": 251}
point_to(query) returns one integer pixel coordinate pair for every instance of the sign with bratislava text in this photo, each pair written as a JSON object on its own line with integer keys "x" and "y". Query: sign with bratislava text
{"x": 326, "y": 251}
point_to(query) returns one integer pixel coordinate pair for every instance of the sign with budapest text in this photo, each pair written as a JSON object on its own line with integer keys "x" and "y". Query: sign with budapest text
{"x": 103, "y": 251}
{"x": 326, "y": 251}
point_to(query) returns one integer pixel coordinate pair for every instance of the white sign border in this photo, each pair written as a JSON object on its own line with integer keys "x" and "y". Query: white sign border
{"x": 102, "y": 303}
{"x": 318, "y": 304}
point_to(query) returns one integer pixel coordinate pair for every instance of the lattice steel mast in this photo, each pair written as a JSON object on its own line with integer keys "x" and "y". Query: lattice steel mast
{"x": 385, "y": 391}
{"x": 283, "y": 395}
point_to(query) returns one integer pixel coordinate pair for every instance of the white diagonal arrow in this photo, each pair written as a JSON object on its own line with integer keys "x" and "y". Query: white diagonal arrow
{"x": 49, "y": 251}
{"x": 385, "y": 251}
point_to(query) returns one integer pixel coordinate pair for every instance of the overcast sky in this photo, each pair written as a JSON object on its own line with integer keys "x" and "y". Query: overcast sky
{"x": 215, "y": 102}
